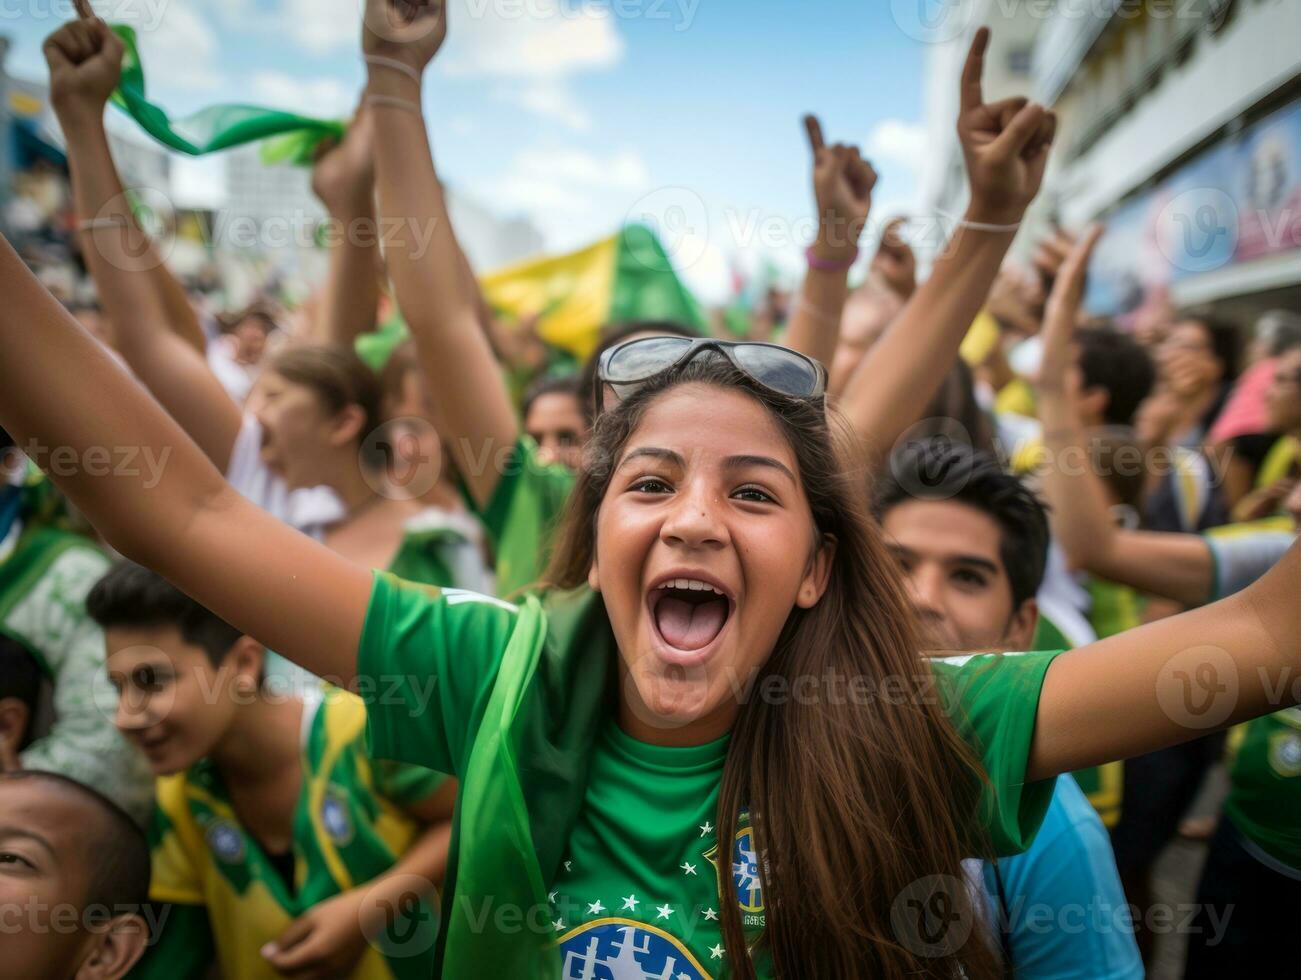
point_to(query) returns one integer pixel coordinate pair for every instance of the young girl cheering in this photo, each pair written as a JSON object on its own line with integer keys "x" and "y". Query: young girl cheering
{"x": 713, "y": 747}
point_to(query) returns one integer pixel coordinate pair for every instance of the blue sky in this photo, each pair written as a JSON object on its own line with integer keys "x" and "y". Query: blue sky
{"x": 577, "y": 113}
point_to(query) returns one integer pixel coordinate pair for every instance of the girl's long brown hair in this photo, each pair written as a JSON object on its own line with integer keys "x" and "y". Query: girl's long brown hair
{"x": 861, "y": 812}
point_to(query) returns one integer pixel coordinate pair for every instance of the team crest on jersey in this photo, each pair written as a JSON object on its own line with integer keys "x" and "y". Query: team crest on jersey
{"x": 335, "y": 819}
{"x": 745, "y": 875}
{"x": 226, "y": 841}
{"x": 1285, "y": 753}
{"x": 623, "y": 949}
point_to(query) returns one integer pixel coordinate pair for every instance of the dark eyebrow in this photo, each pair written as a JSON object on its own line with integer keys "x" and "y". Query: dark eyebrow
{"x": 653, "y": 452}
{"x": 739, "y": 462}
{"x": 6, "y": 832}
{"x": 976, "y": 560}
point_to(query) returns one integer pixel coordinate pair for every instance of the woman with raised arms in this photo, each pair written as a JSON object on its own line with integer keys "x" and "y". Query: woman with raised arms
{"x": 712, "y": 747}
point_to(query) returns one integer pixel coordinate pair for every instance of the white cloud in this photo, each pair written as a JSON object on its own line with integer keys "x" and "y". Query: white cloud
{"x": 542, "y": 39}
{"x": 623, "y": 170}
{"x": 179, "y": 49}
{"x": 572, "y": 196}
{"x": 551, "y": 100}
{"x": 896, "y": 141}
{"x": 323, "y": 26}
{"x": 321, "y": 97}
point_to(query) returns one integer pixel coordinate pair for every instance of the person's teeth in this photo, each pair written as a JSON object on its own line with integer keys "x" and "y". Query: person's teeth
{"x": 695, "y": 585}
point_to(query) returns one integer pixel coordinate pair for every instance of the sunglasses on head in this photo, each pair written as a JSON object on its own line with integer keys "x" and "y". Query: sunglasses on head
{"x": 776, "y": 368}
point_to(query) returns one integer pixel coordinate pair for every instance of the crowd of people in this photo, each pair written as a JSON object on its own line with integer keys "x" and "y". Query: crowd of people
{"x": 700, "y": 660}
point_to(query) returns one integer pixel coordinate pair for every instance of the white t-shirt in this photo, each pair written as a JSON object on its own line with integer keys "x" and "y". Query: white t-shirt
{"x": 309, "y": 509}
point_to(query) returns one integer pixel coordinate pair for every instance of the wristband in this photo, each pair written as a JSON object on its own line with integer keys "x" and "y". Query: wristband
{"x": 394, "y": 102}
{"x": 829, "y": 265}
{"x": 979, "y": 225}
{"x": 382, "y": 62}
{"x": 91, "y": 224}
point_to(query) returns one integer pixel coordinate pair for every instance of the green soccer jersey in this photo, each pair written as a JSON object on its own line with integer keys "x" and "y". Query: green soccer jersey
{"x": 228, "y": 897}
{"x": 1264, "y": 799}
{"x": 571, "y": 833}
{"x": 522, "y": 514}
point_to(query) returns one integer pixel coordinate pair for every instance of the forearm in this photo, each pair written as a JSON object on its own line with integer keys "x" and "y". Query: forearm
{"x": 156, "y": 329}
{"x": 815, "y": 319}
{"x": 1173, "y": 680}
{"x": 428, "y": 272}
{"x": 66, "y": 400}
{"x": 1174, "y": 566}
{"x": 137, "y": 291}
{"x": 350, "y": 299}
{"x": 901, "y": 373}
{"x": 424, "y": 861}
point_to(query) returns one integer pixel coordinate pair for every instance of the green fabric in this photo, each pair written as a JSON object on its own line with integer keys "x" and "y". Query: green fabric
{"x": 422, "y": 556}
{"x": 217, "y": 127}
{"x": 520, "y": 699}
{"x": 375, "y": 348}
{"x": 522, "y": 515}
{"x": 646, "y": 286}
{"x": 1264, "y": 799}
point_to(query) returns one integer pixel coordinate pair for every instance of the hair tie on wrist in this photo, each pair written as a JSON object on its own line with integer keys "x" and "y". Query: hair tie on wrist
{"x": 393, "y": 102}
{"x": 112, "y": 221}
{"x": 382, "y": 62}
{"x": 979, "y": 225}
{"x": 829, "y": 265}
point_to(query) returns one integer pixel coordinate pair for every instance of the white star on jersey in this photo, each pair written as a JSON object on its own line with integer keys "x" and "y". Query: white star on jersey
{"x": 706, "y": 828}
{"x": 595, "y": 908}
{"x": 716, "y": 952}
{"x": 711, "y": 915}
{"x": 558, "y": 925}
{"x": 664, "y": 911}
{"x": 551, "y": 897}
{"x": 688, "y": 868}
{"x": 630, "y": 903}
{"x": 569, "y": 865}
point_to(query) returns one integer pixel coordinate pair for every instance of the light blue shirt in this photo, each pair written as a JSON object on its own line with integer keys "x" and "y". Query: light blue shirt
{"x": 1062, "y": 911}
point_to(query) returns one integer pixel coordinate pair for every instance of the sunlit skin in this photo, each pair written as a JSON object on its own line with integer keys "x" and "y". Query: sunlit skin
{"x": 1283, "y": 396}
{"x": 301, "y": 441}
{"x": 45, "y": 864}
{"x": 174, "y": 705}
{"x": 721, "y": 502}
{"x": 950, "y": 555}
{"x": 556, "y": 423}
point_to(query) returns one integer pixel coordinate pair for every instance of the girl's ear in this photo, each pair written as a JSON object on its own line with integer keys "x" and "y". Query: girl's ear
{"x": 818, "y": 574}
{"x": 347, "y": 425}
{"x": 594, "y": 578}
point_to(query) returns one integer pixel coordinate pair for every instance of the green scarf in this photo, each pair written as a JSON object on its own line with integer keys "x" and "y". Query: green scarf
{"x": 522, "y": 790}
{"x": 218, "y": 127}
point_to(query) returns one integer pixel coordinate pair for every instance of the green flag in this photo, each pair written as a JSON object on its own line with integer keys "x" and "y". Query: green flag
{"x": 217, "y": 127}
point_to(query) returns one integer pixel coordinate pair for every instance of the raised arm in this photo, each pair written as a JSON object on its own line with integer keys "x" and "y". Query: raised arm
{"x": 1177, "y": 566}
{"x": 344, "y": 180}
{"x": 1005, "y": 145}
{"x": 1175, "y": 679}
{"x": 156, "y": 329}
{"x": 842, "y": 188}
{"x": 438, "y": 299}
{"x": 156, "y": 497}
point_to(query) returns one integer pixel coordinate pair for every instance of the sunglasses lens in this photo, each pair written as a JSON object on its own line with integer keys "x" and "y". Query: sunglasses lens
{"x": 643, "y": 359}
{"x": 779, "y": 369}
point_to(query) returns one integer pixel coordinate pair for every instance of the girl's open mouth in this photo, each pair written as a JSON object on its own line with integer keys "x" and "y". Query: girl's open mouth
{"x": 689, "y": 616}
